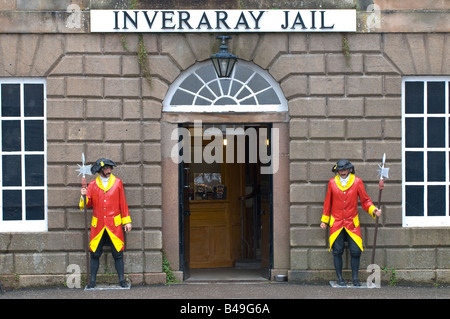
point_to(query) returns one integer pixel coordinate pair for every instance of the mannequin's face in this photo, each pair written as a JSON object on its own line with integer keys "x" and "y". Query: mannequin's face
{"x": 343, "y": 173}
{"x": 106, "y": 171}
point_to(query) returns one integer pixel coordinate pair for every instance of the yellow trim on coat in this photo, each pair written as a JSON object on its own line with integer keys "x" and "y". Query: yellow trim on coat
{"x": 349, "y": 184}
{"x": 370, "y": 211}
{"x": 325, "y": 219}
{"x": 111, "y": 181}
{"x": 356, "y": 238}
{"x": 118, "y": 244}
{"x": 96, "y": 240}
{"x": 333, "y": 237}
{"x": 126, "y": 220}
{"x": 81, "y": 203}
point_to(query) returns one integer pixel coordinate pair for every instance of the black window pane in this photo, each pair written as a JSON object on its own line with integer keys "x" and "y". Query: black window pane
{"x": 414, "y": 166}
{"x": 436, "y": 166}
{"x": 11, "y": 170}
{"x": 34, "y": 99}
{"x": 10, "y": 136}
{"x": 34, "y": 135}
{"x": 436, "y": 200}
{"x": 414, "y": 97}
{"x": 436, "y": 132}
{"x": 34, "y": 170}
{"x": 12, "y": 205}
{"x": 10, "y": 99}
{"x": 34, "y": 204}
{"x": 436, "y": 97}
{"x": 414, "y": 201}
{"x": 414, "y": 132}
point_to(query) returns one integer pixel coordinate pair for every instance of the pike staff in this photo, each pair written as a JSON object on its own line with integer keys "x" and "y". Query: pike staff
{"x": 83, "y": 170}
{"x": 384, "y": 173}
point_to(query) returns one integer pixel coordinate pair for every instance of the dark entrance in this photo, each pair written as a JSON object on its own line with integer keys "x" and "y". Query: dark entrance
{"x": 226, "y": 205}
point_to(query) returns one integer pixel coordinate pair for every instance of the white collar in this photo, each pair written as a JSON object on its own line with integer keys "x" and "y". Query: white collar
{"x": 344, "y": 180}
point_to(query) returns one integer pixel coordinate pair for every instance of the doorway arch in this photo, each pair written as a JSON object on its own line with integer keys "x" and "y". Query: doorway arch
{"x": 250, "y": 97}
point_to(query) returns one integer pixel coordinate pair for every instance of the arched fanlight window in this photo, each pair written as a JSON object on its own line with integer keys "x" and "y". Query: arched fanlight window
{"x": 249, "y": 89}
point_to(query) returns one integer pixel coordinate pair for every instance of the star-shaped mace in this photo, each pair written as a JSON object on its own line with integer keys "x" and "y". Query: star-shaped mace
{"x": 83, "y": 169}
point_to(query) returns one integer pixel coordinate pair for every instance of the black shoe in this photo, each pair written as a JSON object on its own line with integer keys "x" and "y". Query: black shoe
{"x": 91, "y": 285}
{"x": 356, "y": 283}
{"x": 341, "y": 282}
{"x": 123, "y": 284}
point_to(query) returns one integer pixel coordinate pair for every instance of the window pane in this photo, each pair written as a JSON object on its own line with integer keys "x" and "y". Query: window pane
{"x": 436, "y": 166}
{"x": 207, "y": 73}
{"x": 34, "y": 170}
{"x": 10, "y": 136}
{"x": 34, "y": 99}
{"x": 414, "y": 132}
{"x": 182, "y": 98}
{"x": 34, "y": 135}
{"x": 34, "y": 204}
{"x": 436, "y": 200}
{"x": 12, "y": 205}
{"x": 10, "y": 99}
{"x": 414, "y": 201}
{"x": 258, "y": 83}
{"x": 414, "y": 97}
{"x": 225, "y": 84}
{"x": 225, "y": 101}
{"x": 268, "y": 97}
{"x": 436, "y": 132}
{"x": 414, "y": 166}
{"x": 243, "y": 73}
{"x": 11, "y": 170}
{"x": 436, "y": 97}
{"x": 192, "y": 83}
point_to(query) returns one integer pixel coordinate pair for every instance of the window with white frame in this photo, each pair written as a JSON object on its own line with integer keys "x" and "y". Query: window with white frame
{"x": 248, "y": 89}
{"x": 23, "y": 165}
{"x": 426, "y": 151}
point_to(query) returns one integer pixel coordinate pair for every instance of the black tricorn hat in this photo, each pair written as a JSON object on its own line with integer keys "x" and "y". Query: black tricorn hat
{"x": 100, "y": 163}
{"x": 343, "y": 164}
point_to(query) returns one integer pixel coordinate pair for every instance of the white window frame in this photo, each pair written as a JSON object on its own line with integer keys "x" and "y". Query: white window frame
{"x": 281, "y": 107}
{"x": 426, "y": 221}
{"x": 24, "y": 225}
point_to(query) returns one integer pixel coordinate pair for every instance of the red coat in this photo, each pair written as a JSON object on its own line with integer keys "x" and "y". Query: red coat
{"x": 110, "y": 211}
{"x": 340, "y": 208}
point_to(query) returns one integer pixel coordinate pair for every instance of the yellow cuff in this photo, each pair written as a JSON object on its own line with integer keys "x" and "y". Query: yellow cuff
{"x": 81, "y": 203}
{"x": 325, "y": 219}
{"x": 370, "y": 211}
{"x": 126, "y": 220}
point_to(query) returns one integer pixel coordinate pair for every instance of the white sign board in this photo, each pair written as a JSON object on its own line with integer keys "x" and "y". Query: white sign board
{"x": 219, "y": 21}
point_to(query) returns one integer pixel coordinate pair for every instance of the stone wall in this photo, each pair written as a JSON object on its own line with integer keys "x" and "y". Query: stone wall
{"x": 72, "y": 16}
{"x": 100, "y": 104}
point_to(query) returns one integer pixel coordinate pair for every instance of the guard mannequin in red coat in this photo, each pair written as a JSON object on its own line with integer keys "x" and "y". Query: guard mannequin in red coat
{"x": 340, "y": 213}
{"x": 106, "y": 196}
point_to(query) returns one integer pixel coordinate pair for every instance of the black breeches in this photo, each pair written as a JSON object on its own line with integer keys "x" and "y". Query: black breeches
{"x": 117, "y": 255}
{"x": 339, "y": 245}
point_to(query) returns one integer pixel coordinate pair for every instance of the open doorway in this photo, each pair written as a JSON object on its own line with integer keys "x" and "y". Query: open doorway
{"x": 225, "y": 196}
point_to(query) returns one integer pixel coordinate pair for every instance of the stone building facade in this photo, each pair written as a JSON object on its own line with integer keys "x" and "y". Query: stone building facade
{"x": 345, "y": 95}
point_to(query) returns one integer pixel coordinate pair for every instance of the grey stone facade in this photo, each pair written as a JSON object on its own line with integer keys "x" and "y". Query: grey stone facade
{"x": 98, "y": 102}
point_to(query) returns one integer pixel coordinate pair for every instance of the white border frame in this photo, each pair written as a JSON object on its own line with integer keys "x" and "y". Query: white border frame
{"x": 426, "y": 221}
{"x": 24, "y": 225}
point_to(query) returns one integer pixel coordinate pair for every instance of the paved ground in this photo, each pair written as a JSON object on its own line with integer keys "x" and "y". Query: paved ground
{"x": 269, "y": 290}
